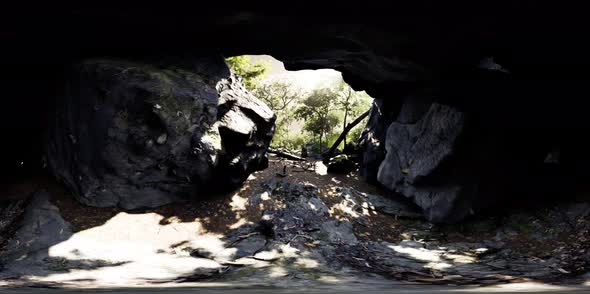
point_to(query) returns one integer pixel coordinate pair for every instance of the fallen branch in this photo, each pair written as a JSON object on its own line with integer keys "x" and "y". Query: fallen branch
{"x": 342, "y": 136}
{"x": 302, "y": 236}
{"x": 286, "y": 155}
{"x": 243, "y": 237}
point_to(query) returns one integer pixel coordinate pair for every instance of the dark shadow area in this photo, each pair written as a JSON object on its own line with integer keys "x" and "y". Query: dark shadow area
{"x": 479, "y": 122}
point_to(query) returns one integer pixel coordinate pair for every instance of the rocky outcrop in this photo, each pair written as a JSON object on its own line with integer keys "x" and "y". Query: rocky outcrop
{"x": 415, "y": 154}
{"x": 457, "y": 159}
{"x": 383, "y": 113}
{"x": 10, "y": 213}
{"x": 134, "y": 135}
{"x": 40, "y": 227}
{"x": 341, "y": 164}
{"x": 246, "y": 126}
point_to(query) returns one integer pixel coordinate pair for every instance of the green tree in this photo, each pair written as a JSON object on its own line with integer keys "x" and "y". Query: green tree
{"x": 351, "y": 102}
{"x": 317, "y": 112}
{"x": 279, "y": 96}
{"x": 353, "y": 105}
{"x": 251, "y": 72}
{"x": 345, "y": 102}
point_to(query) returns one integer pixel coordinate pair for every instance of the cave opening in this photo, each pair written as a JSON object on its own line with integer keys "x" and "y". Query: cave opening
{"x": 282, "y": 201}
{"x": 314, "y": 108}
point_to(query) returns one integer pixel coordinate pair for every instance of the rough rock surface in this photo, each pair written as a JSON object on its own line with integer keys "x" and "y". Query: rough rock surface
{"x": 299, "y": 236}
{"x": 373, "y": 139}
{"x": 295, "y": 223}
{"x": 41, "y": 227}
{"x": 341, "y": 164}
{"x": 127, "y": 249}
{"x": 10, "y": 213}
{"x": 136, "y": 135}
{"x": 358, "y": 204}
{"x": 414, "y": 154}
{"x": 455, "y": 159}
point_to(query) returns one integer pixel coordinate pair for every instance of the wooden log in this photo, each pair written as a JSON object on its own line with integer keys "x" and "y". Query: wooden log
{"x": 286, "y": 155}
{"x": 349, "y": 127}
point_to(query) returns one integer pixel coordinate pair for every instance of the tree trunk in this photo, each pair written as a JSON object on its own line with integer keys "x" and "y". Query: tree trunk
{"x": 344, "y": 126}
{"x": 343, "y": 135}
{"x": 346, "y": 106}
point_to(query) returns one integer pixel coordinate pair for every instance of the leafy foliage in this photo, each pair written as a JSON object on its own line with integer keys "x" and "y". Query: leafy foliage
{"x": 251, "y": 73}
{"x": 280, "y": 96}
{"x": 352, "y": 104}
{"x": 315, "y": 117}
{"x": 316, "y": 110}
{"x": 303, "y": 118}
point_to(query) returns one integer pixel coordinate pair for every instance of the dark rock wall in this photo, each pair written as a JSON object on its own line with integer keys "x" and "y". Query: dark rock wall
{"x": 373, "y": 139}
{"x": 401, "y": 52}
{"x": 458, "y": 149}
{"x": 134, "y": 135}
{"x": 415, "y": 153}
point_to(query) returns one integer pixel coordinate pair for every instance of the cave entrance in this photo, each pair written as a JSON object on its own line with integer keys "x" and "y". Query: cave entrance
{"x": 290, "y": 220}
{"x": 315, "y": 109}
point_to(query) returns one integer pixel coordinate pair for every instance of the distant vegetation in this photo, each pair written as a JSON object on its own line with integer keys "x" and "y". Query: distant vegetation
{"x": 250, "y": 72}
{"x": 314, "y": 119}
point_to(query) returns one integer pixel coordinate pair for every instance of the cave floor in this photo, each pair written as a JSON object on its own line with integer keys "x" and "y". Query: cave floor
{"x": 308, "y": 229}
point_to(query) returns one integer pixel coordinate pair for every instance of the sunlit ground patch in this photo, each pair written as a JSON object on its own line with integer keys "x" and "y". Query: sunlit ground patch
{"x": 134, "y": 247}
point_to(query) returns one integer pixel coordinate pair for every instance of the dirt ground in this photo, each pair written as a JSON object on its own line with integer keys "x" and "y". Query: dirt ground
{"x": 555, "y": 236}
{"x": 215, "y": 212}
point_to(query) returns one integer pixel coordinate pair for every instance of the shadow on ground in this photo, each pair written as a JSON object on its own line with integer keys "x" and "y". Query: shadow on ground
{"x": 307, "y": 228}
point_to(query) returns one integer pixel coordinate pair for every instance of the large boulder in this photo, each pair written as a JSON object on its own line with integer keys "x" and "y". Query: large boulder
{"x": 10, "y": 213}
{"x": 135, "y": 135}
{"x": 341, "y": 164}
{"x": 415, "y": 154}
{"x": 372, "y": 140}
{"x": 458, "y": 159}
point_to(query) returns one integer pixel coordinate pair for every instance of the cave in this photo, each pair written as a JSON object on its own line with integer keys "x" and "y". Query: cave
{"x": 477, "y": 110}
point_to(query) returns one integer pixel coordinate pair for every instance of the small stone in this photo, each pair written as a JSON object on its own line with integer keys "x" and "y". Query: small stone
{"x": 72, "y": 139}
{"x": 339, "y": 232}
{"x": 267, "y": 255}
{"x": 162, "y": 139}
{"x": 411, "y": 244}
{"x": 250, "y": 246}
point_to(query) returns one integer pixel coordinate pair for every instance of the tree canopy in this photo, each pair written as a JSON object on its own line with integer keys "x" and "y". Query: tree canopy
{"x": 282, "y": 97}
{"x": 250, "y": 72}
{"x": 323, "y": 115}
{"x": 316, "y": 110}
{"x": 277, "y": 95}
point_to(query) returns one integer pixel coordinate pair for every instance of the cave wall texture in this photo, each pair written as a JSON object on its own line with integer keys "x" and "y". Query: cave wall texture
{"x": 508, "y": 77}
{"x": 138, "y": 135}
